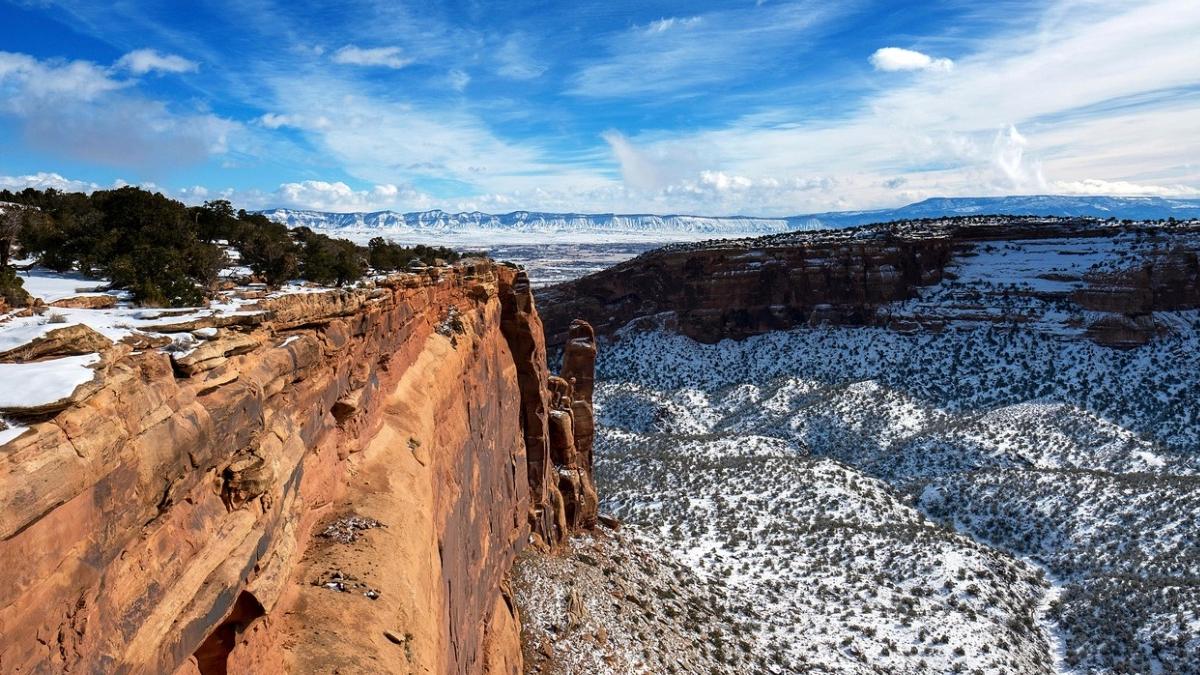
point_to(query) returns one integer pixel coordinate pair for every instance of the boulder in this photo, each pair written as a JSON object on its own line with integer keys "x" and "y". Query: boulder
{"x": 66, "y": 341}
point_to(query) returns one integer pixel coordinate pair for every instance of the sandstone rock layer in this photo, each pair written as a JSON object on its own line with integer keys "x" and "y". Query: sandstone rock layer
{"x": 738, "y": 288}
{"x": 164, "y": 522}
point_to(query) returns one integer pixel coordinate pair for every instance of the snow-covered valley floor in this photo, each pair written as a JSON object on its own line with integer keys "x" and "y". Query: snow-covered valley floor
{"x": 871, "y": 501}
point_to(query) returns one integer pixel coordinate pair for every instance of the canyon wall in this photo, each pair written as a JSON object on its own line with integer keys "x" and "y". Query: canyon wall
{"x": 734, "y": 290}
{"x": 737, "y": 288}
{"x": 340, "y": 480}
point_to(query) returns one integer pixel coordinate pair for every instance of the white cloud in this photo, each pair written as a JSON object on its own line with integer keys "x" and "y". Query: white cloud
{"x": 276, "y": 121}
{"x": 1008, "y": 154}
{"x": 1095, "y": 186}
{"x": 309, "y": 194}
{"x": 45, "y": 180}
{"x": 514, "y": 60}
{"x": 338, "y": 196}
{"x": 389, "y": 139}
{"x": 718, "y": 47}
{"x": 79, "y": 110}
{"x": 664, "y": 25}
{"x": 24, "y": 80}
{"x": 894, "y": 58}
{"x": 142, "y": 61}
{"x": 386, "y": 57}
{"x": 647, "y": 170}
{"x": 458, "y": 79}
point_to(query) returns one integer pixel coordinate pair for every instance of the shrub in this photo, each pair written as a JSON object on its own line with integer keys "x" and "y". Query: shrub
{"x": 12, "y": 289}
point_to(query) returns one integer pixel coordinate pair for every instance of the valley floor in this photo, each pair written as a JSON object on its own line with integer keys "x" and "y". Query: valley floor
{"x": 985, "y": 499}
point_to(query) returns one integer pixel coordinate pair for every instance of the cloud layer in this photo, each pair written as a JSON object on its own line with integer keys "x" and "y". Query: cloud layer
{"x": 84, "y": 111}
{"x": 772, "y": 108}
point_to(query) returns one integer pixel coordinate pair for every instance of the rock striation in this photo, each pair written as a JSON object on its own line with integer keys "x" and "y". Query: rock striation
{"x": 170, "y": 518}
{"x": 860, "y": 276}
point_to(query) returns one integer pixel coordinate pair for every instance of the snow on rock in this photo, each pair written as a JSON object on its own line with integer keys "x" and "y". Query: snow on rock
{"x": 44, "y": 384}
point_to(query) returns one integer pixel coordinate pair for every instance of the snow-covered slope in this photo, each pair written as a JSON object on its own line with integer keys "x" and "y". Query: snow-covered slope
{"x": 998, "y": 496}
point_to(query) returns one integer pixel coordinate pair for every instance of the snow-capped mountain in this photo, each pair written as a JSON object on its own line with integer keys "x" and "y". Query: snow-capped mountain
{"x": 535, "y": 227}
{"x": 437, "y": 222}
{"x": 1132, "y": 208}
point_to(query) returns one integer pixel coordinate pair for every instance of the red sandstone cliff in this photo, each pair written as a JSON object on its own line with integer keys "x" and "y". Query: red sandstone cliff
{"x": 730, "y": 290}
{"x": 170, "y": 517}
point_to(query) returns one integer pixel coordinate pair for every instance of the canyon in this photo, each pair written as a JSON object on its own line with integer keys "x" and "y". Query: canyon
{"x": 829, "y": 450}
{"x": 323, "y": 480}
{"x": 1113, "y": 277}
{"x": 955, "y": 445}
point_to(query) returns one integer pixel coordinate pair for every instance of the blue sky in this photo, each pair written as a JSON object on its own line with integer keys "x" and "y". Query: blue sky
{"x": 764, "y": 108}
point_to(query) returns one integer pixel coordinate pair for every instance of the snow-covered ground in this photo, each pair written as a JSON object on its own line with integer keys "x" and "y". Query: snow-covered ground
{"x": 44, "y": 382}
{"x": 993, "y": 498}
{"x": 26, "y": 388}
{"x": 52, "y": 286}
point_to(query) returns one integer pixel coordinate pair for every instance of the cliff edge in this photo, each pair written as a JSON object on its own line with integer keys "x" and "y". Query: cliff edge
{"x": 329, "y": 479}
{"x": 1096, "y": 279}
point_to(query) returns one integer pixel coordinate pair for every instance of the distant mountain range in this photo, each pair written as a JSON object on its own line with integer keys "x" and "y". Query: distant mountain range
{"x": 639, "y": 226}
{"x": 1132, "y": 208}
{"x": 534, "y": 226}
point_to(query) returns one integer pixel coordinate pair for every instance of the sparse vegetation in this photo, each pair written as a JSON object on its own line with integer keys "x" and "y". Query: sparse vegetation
{"x": 970, "y": 500}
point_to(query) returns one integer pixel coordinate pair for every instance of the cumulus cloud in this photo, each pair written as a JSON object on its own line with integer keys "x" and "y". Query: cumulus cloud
{"x": 25, "y": 80}
{"x": 723, "y": 189}
{"x": 142, "y": 61}
{"x": 310, "y": 194}
{"x": 892, "y": 59}
{"x": 384, "y": 57}
{"x": 44, "y": 180}
{"x": 338, "y": 196}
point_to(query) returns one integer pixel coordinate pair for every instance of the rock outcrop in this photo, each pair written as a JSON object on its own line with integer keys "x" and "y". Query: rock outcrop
{"x": 1166, "y": 279}
{"x": 164, "y": 521}
{"x": 731, "y": 290}
{"x": 738, "y": 288}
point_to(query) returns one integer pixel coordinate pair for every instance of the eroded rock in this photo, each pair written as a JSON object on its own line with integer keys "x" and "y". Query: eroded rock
{"x": 160, "y": 522}
{"x": 65, "y": 341}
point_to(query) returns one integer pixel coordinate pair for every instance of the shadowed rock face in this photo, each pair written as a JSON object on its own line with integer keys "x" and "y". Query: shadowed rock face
{"x": 735, "y": 291}
{"x": 738, "y": 288}
{"x": 163, "y": 521}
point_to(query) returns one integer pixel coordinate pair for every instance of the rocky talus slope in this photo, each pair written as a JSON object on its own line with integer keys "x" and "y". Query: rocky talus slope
{"x": 331, "y": 481}
{"x": 1098, "y": 278}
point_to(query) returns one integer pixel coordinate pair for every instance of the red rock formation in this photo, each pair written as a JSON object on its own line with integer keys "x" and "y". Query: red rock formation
{"x": 737, "y": 288}
{"x": 1163, "y": 280}
{"x": 163, "y": 521}
{"x": 733, "y": 291}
